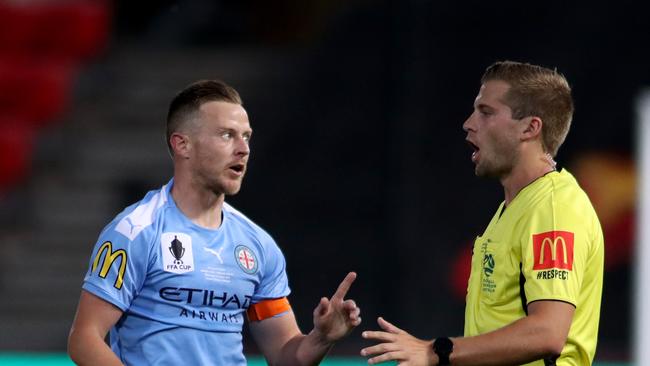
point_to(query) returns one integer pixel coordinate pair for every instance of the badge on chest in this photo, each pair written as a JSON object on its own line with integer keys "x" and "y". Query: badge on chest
{"x": 177, "y": 252}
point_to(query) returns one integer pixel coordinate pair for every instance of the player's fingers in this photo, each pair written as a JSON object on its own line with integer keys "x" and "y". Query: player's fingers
{"x": 354, "y": 313}
{"x": 343, "y": 288}
{"x": 354, "y": 317}
{"x": 379, "y": 335}
{"x": 355, "y": 322}
{"x": 323, "y": 307}
{"x": 385, "y": 325}
{"x": 349, "y": 305}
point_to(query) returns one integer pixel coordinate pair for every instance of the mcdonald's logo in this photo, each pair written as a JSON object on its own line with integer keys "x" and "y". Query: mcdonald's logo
{"x": 553, "y": 249}
{"x": 109, "y": 258}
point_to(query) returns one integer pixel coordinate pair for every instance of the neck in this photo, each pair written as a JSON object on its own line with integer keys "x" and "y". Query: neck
{"x": 525, "y": 172}
{"x": 202, "y": 206}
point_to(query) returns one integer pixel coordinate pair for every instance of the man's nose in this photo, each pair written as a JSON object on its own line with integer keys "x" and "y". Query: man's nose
{"x": 467, "y": 125}
{"x": 242, "y": 147}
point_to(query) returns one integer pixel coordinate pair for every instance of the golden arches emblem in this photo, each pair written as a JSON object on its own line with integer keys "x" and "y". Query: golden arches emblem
{"x": 109, "y": 258}
{"x": 559, "y": 253}
{"x": 553, "y": 246}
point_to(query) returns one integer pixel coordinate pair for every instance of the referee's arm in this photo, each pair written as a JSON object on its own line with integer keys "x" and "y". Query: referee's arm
{"x": 541, "y": 334}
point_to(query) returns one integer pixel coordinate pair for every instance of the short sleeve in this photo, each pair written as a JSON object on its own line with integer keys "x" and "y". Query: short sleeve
{"x": 555, "y": 248}
{"x": 273, "y": 282}
{"x": 117, "y": 267}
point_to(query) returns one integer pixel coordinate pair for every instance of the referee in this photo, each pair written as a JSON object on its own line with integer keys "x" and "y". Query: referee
{"x": 536, "y": 278}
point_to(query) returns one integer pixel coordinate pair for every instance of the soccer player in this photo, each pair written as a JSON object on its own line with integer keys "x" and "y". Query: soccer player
{"x": 536, "y": 275}
{"x": 173, "y": 276}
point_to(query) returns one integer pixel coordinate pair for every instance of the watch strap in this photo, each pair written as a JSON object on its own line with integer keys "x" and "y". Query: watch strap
{"x": 443, "y": 347}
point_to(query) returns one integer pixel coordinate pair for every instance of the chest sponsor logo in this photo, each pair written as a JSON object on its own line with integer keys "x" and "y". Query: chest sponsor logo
{"x": 553, "y": 249}
{"x": 177, "y": 252}
{"x": 110, "y": 257}
{"x": 207, "y": 305}
{"x": 246, "y": 259}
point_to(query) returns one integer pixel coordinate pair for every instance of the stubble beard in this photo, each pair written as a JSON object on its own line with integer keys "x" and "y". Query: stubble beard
{"x": 499, "y": 164}
{"x": 220, "y": 185}
{"x": 493, "y": 170}
{"x": 225, "y": 186}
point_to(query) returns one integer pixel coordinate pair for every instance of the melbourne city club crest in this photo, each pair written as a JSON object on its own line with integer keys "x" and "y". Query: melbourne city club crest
{"x": 246, "y": 259}
{"x": 177, "y": 252}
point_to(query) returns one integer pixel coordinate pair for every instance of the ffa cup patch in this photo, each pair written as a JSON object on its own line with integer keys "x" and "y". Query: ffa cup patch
{"x": 246, "y": 259}
{"x": 177, "y": 252}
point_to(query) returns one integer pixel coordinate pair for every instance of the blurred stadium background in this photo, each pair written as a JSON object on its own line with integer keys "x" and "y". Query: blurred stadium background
{"x": 358, "y": 158}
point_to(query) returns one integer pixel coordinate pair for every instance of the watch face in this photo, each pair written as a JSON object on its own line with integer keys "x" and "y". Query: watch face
{"x": 443, "y": 345}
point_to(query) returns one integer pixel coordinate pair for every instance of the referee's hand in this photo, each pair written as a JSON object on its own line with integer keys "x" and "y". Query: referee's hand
{"x": 394, "y": 344}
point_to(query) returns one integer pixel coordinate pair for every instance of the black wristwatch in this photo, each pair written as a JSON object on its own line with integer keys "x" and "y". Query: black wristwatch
{"x": 443, "y": 347}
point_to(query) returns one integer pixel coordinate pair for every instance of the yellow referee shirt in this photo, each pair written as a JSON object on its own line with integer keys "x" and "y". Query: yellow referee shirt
{"x": 547, "y": 245}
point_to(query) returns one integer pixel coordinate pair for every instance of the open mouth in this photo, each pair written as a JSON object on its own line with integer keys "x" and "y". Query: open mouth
{"x": 237, "y": 168}
{"x": 475, "y": 149}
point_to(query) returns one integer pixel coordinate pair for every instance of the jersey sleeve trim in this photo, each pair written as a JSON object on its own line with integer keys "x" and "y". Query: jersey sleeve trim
{"x": 553, "y": 298}
{"x": 267, "y": 309}
{"x": 99, "y": 292}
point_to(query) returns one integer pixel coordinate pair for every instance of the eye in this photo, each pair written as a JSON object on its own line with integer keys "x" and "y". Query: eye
{"x": 484, "y": 112}
{"x": 226, "y": 135}
{"x": 246, "y": 137}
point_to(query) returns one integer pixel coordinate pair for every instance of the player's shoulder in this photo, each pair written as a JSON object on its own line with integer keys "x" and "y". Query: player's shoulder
{"x": 237, "y": 218}
{"x": 140, "y": 216}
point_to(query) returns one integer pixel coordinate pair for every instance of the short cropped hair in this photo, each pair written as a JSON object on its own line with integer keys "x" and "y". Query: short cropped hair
{"x": 187, "y": 102}
{"x": 537, "y": 91}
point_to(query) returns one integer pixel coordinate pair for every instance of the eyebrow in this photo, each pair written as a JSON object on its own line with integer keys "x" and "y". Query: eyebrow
{"x": 230, "y": 129}
{"x": 484, "y": 106}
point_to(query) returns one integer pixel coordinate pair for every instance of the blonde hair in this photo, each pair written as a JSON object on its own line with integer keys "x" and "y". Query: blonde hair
{"x": 187, "y": 102}
{"x": 537, "y": 91}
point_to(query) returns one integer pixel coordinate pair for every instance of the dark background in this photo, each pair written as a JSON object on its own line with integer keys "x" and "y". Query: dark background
{"x": 359, "y": 160}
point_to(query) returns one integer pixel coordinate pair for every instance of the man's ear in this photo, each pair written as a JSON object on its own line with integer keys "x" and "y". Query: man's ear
{"x": 532, "y": 128}
{"x": 181, "y": 144}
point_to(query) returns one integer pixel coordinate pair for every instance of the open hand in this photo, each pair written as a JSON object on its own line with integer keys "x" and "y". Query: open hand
{"x": 397, "y": 345}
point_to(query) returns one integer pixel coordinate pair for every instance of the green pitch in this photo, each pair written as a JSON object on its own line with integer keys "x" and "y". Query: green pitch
{"x": 61, "y": 359}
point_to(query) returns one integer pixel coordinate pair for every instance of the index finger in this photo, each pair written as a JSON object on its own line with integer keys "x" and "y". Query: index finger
{"x": 344, "y": 286}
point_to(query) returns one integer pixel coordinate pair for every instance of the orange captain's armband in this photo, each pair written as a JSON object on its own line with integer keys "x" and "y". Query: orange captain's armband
{"x": 267, "y": 309}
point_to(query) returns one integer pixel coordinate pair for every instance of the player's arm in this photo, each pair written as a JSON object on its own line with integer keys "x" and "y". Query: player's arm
{"x": 94, "y": 318}
{"x": 539, "y": 335}
{"x": 282, "y": 342}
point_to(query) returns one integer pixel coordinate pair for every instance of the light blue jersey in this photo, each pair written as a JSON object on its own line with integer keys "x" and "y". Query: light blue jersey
{"x": 184, "y": 289}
